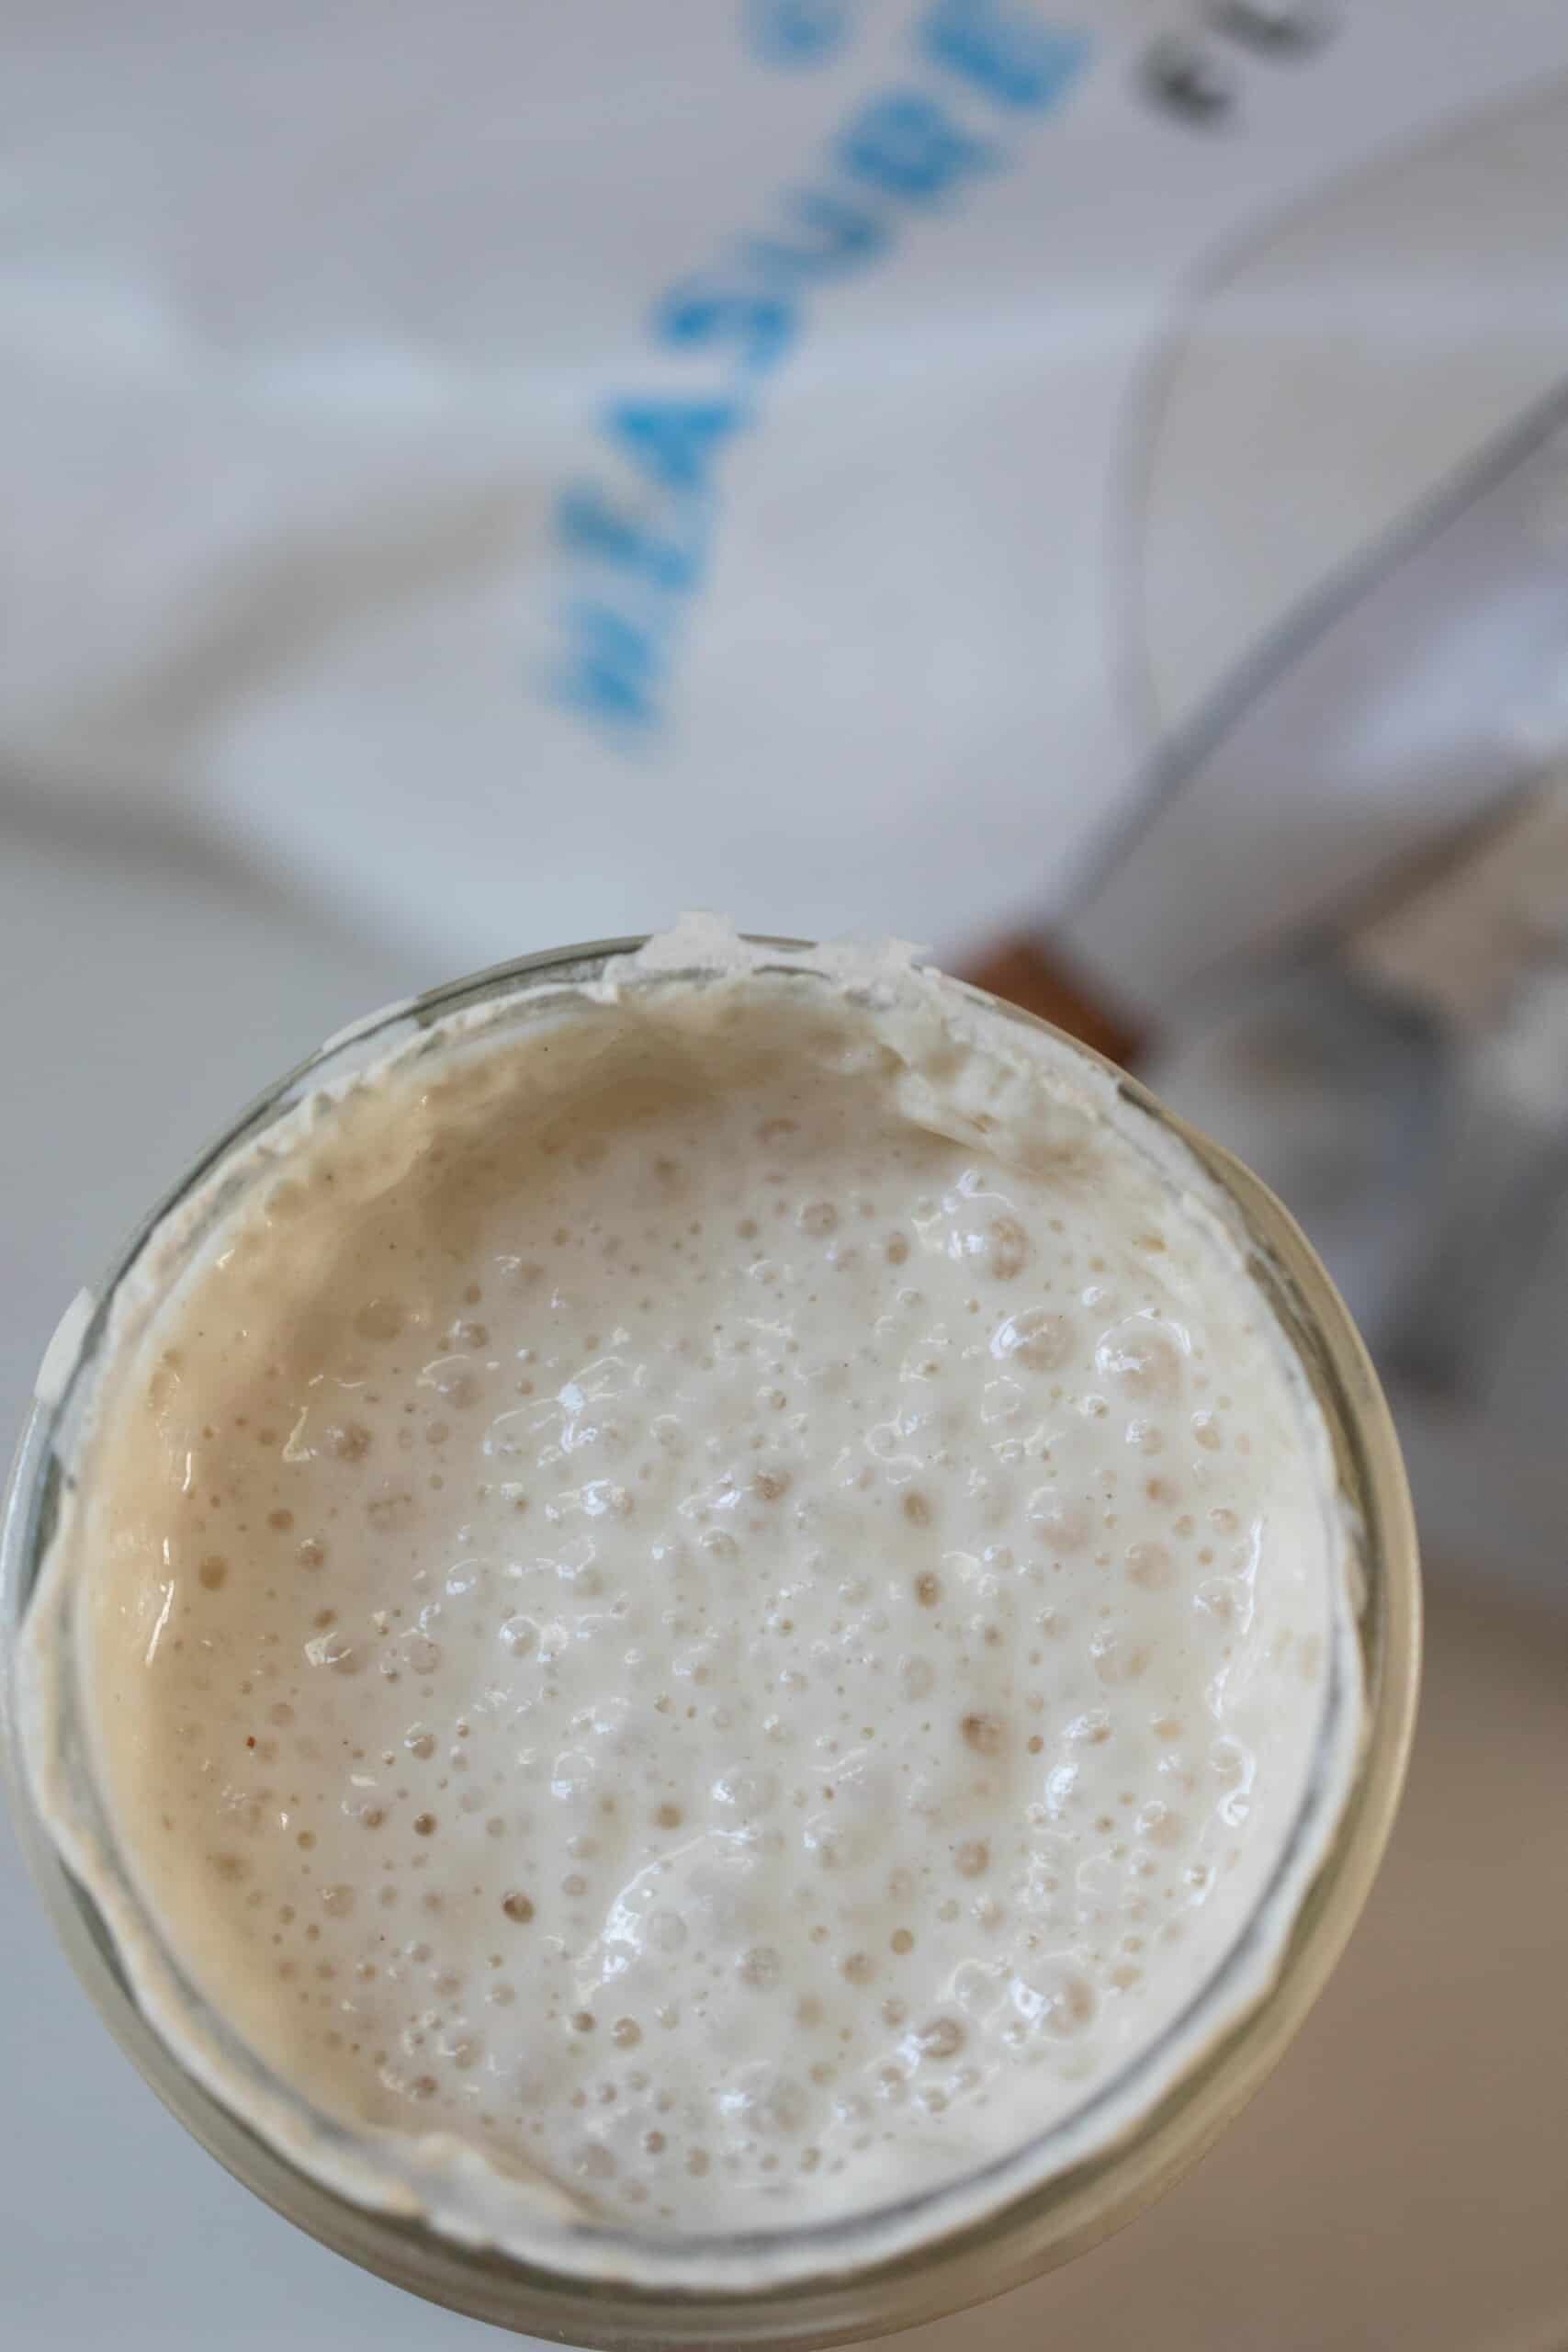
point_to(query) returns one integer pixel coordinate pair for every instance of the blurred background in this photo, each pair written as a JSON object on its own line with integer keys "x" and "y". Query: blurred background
{"x": 1082, "y": 487}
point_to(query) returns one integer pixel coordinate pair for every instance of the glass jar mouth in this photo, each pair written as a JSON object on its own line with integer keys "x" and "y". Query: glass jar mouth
{"x": 1050, "y": 2193}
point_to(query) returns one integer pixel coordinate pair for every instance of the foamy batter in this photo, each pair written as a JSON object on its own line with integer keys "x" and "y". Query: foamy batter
{"x": 722, "y": 1595}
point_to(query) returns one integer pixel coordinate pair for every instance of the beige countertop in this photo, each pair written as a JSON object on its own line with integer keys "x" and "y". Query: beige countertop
{"x": 1401, "y": 2180}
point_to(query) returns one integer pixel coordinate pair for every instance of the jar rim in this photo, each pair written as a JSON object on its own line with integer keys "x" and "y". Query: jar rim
{"x": 1054, "y": 2210}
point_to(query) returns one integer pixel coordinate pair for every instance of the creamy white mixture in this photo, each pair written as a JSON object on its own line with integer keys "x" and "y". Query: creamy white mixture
{"x": 723, "y": 1597}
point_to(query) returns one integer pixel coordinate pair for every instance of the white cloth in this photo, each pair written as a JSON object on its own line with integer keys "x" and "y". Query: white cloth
{"x": 1020, "y": 390}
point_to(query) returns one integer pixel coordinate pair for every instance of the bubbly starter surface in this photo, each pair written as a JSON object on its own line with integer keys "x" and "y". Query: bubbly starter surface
{"x": 663, "y": 1605}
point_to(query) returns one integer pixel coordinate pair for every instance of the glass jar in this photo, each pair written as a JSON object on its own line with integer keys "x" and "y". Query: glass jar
{"x": 840, "y": 2288}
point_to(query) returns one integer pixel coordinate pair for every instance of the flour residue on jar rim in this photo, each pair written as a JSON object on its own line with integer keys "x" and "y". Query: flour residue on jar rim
{"x": 767, "y": 1670}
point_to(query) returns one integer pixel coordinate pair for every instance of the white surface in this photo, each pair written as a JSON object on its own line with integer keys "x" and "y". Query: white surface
{"x": 116, "y": 2228}
{"x": 150, "y": 992}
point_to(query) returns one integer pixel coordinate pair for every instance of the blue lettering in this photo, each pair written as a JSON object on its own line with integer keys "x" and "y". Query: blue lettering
{"x": 912, "y": 147}
{"x": 795, "y": 32}
{"x": 841, "y": 236}
{"x": 1004, "y": 53}
{"x": 612, "y": 668}
{"x": 588, "y": 526}
{"x": 696, "y": 314}
{"x": 673, "y": 441}
{"x": 649, "y": 548}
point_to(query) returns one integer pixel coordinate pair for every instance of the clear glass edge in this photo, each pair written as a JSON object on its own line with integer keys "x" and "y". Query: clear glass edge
{"x": 1060, "y": 2213}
